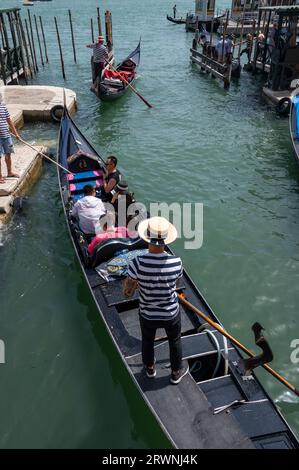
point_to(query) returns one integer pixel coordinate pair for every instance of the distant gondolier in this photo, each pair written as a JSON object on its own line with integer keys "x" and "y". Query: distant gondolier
{"x": 100, "y": 55}
{"x": 174, "y": 11}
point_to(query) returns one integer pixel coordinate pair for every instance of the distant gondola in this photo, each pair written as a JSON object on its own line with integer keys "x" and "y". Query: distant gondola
{"x": 293, "y": 120}
{"x": 114, "y": 83}
{"x": 214, "y": 406}
{"x": 176, "y": 20}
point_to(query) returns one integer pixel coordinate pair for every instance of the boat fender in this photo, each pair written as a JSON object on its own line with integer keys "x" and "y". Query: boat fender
{"x": 56, "y": 113}
{"x": 283, "y": 107}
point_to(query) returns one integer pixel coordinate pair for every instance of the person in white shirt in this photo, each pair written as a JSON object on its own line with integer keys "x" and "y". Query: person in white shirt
{"x": 88, "y": 210}
{"x": 221, "y": 49}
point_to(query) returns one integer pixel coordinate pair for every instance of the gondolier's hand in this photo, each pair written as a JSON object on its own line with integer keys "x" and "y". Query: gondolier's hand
{"x": 129, "y": 287}
{"x": 17, "y": 135}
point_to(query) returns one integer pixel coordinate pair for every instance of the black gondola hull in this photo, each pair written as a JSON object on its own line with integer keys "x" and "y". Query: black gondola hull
{"x": 186, "y": 412}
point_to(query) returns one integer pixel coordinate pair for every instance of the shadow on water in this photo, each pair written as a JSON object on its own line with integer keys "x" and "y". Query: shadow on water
{"x": 143, "y": 423}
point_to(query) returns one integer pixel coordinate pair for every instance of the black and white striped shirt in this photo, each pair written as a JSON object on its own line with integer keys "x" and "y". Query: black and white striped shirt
{"x": 157, "y": 275}
{"x": 100, "y": 52}
{"x": 4, "y": 128}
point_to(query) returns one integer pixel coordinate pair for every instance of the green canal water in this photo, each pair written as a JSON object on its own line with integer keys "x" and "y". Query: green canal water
{"x": 63, "y": 384}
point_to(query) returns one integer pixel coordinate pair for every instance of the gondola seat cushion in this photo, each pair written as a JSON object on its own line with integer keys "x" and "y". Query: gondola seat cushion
{"x": 84, "y": 176}
{"x": 107, "y": 249}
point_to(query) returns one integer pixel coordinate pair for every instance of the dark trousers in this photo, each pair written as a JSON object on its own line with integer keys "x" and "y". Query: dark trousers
{"x": 173, "y": 331}
{"x": 98, "y": 67}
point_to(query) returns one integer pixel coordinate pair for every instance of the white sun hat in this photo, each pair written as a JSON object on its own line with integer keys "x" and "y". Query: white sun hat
{"x": 157, "y": 231}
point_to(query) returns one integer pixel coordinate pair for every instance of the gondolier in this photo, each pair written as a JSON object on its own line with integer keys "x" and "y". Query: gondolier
{"x": 156, "y": 273}
{"x": 100, "y": 54}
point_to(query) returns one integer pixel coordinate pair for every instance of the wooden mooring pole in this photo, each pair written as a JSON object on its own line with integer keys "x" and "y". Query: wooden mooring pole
{"x": 60, "y": 50}
{"x": 16, "y": 21}
{"x": 24, "y": 43}
{"x": 44, "y": 39}
{"x": 30, "y": 46}
{"x": 99, "y": 22}
{"x": 6, "y": 46}
{"x": 15, "y": 44}
{"x": 38, "y": 39}
{"x": 91, "y": 29}
{"x": 32, "y": 39}
{"x": 72, "y": 34}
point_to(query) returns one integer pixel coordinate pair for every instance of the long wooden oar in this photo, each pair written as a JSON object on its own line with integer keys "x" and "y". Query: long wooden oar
{"x": 129, "y": 84}
{"x": 44, "y": 155}
{"x": 235, "y": 341}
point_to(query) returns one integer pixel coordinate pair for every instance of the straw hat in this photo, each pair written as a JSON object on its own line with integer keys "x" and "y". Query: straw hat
{"x": 122, "y": 185}
{"x": 157, "y": 231}
{"x": 101, "y": 38}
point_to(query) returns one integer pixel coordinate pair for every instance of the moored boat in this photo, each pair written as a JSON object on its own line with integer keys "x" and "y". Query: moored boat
{"x": 194, "y": 22}
{"x": 214, "y": 406}
{"x": 115, "y": 82}
{"x": 294, "y": 121}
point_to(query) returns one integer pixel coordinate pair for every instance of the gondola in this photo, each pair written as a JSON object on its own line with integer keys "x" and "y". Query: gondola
{"x": 193, "y": 23}
{"x": 176, "y": 20}
{"x": 213, "y": 406}
{"x": 294, "y": 120}
{"x": 114, "y": 82}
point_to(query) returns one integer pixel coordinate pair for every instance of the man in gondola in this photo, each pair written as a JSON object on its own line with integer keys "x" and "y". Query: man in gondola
{"x": 111, "y": 178}
{"x": 88, "y": 210}
{"x": 155, "y": 274}
{"x": 100, "y": 55}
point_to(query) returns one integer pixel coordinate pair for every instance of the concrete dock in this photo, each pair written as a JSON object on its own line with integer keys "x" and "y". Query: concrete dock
{"x": 35, "y": 103}
{"x": 28, "y": 103}
{"x": 28, "y": 164}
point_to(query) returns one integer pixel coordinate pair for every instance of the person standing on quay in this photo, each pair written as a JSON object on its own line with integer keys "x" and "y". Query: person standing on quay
{"x": 155, "y": 274}
{"x": 6, "y": 144}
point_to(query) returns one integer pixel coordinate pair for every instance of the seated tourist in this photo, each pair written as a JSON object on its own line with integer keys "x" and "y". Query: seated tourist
{"x": 108, "y": 230}
{"x": 111, "y": 178}
{"x": 121, "y": 200}
{"x": 88, "y": 210}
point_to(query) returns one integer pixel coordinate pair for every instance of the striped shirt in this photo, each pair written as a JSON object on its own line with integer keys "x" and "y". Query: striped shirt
{"x": 157, "y": 275}
{"x": 100, "y": 52}
{"x": 4, "y": 128}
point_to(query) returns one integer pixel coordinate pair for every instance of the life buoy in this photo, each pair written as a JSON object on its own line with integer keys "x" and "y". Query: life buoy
{"x": 283, "y": 107}
{"x": 56, "y": 112}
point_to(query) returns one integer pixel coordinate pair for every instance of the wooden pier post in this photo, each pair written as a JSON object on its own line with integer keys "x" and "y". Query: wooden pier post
{"x": 2, "y": 67}
{"x": 60, "y": 50}
{"x": 91, "y": 29}
{"x": 24, "y": 43}
{"x": 44, "y": 39}
{"x": 6, "y": 46}
{"x": 30, "y": 46}
{"x": 16, "y": 20}
{"x": 38, "y": 39}
{"x": 99, "y": 22}
{"x": 72, "y": 34}
{"x": 32, "y": 40}
{"x": 14, "y": 41}
{"x": 108, "y": 27}
{"x": 241, "y": 34}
